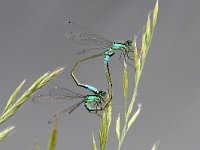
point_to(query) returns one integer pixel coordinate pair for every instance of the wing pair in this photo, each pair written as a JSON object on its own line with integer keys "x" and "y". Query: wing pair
{"x": 58, "y": 95}
{"x": 81, "y": 35}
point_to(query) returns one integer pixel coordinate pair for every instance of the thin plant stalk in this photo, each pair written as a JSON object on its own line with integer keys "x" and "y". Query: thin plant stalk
{"x": 139, "y": 61}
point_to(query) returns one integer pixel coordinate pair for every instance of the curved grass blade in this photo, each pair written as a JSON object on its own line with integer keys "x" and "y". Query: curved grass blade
{"x": 134, "y": 117}
{"x": 6, "y": 132}
{"x": 155, "y": 14}
{"x": 13, "y": 96}
{"x": 43, "y": 80}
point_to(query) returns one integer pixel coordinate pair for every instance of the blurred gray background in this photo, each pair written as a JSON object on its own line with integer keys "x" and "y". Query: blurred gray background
{"x": 32, "y": 42}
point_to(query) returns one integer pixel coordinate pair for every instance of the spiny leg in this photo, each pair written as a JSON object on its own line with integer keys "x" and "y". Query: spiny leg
{"x": 120, "y": 58}
{"x": 93, "y": 106}
{"x": 97, "y": 108}
{"x": 125, "y": 59}
{"x": 129, "y": 57}
{"x": 96, "y": 113}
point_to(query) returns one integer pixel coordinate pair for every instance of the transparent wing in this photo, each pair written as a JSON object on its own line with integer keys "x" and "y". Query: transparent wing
{"x": 57, "y": 95}
{"x": 88, "y": 50}
{"x": 81, "y": 35}
{"x": 68, "y": 110}
{"x": 61, "y": 92}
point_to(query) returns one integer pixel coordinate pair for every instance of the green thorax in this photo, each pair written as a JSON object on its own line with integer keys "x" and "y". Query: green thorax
{"x": 118, "y": 46}
{"x": 96, "y": 98}
{"x": 122, "y": 46}
{"x": 92, "y": 98}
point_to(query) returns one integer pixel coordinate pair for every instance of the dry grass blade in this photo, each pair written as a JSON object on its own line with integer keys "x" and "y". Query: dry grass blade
{"x": 155, "y": 14}
{"x": 125, "y": 86}
{"x": 155, "y": 146}
{"x": 94, "y": 143}
{"x": 11, "y": 109}
{"x": 37, "y": 147}
{"x": 104, "y": 127}
{"x": 6, "y": 132}
{"x": 135, "y": 116}
{"x": 118, "y": 128}
{"x": 13, "y": 96}
{"x": 53, "y": 137}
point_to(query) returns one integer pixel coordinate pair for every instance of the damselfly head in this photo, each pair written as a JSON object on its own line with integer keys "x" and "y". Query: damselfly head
{"x": 102, "y": 93}
{"x": 129, "y": 43}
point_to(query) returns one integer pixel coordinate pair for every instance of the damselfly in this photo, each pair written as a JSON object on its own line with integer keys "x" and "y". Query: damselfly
{"x": 81, "y": 35}
{"x": 92, "y": 103}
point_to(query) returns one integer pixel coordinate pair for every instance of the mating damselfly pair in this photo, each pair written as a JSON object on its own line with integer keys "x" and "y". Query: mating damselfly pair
{"x": 99, "y": 99}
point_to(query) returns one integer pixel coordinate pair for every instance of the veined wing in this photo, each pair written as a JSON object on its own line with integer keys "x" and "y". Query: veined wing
{"x": 81, "y": 35}
{"x": 61, "y": 92}
{"x": 68, "y": 110}
{"x": 83, "y": 51}
{"x": 57, "y": 95}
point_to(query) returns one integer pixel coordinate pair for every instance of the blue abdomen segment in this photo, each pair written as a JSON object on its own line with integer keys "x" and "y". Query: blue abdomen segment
{"x": 106, "y": 59}
{"x": 91, "y": 88}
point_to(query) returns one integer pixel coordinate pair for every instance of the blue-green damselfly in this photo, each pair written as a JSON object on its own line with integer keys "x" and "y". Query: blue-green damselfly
{"x": 92, "y": 102}
{"x": 81, "y": 35}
